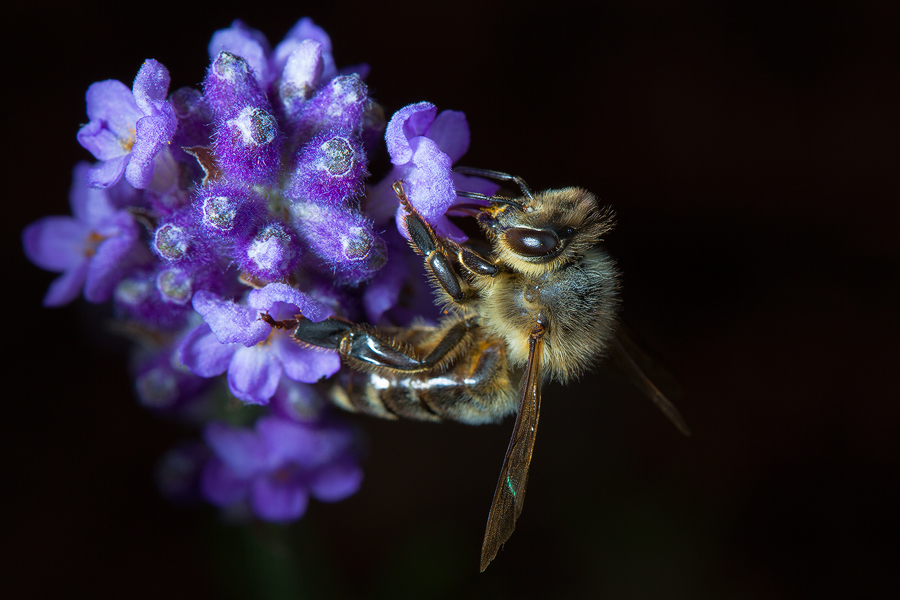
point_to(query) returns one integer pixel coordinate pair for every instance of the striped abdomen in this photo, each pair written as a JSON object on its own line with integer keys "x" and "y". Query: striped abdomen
{"x": 476, "y": 386}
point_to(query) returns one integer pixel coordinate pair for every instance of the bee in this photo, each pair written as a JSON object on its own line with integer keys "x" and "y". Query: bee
{"x": 543, "y": 304}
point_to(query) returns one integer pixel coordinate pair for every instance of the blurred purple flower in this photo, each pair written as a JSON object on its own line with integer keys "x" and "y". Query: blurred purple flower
{"x": 128, "y": 128}
{"x": 278, "y": 464}
{"x": 94, "y": 248}
{"x": 164, "y": 384}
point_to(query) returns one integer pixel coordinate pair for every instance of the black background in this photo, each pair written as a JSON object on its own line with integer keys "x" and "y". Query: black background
{"x": 750, "y": 151}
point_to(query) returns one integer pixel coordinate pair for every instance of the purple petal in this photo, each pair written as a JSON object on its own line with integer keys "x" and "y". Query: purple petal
{"x": 305, "y": 29}
{"x": 253, "y": 374}
{"x": 337, "y": 481}
{"x": 301, "y": 72}
{"x": 55, "y": 243}
{"x": 383, "y": 292}
{"x": 275, "y": 500}
{"x": 445, "y": 228}
{"x": 429, "y": 185}
{"x": 203, "y": 354}
{"x": 451, "y": 131}
{"x": 306, "y": 365}
{"x": 267, "y": 298}
{"x": 152, "y": 136}
{"x": 231, "y": 322}
{"x": 107, "y": 174}
{"x": 102, "y": 142}
{"x": 112, "y": 102}
{"x": 65, "y": 288}
{"x": 289, "y": 441}
{"x": 220, "y": 485}
{"x": 150, "y": 85}
{"x": 240, "y": 449}
{"x": 91, "y": 206}
{"x": 408, "y": 122}
{"x": 112, "y": 258}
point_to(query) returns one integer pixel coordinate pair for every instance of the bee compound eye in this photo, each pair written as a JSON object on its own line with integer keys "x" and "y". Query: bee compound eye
{"x": 531, "y": 242}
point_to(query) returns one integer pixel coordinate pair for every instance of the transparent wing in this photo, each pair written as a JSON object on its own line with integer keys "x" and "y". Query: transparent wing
{"x": 509, "y": 497}
{"x": 636, "y": 365}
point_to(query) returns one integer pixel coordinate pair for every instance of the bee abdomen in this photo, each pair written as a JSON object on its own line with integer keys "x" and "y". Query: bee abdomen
{"x": 475, "y": 389}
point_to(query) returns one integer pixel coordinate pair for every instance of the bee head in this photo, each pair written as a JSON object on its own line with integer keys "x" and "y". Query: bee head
{"x": 547, "y": 230}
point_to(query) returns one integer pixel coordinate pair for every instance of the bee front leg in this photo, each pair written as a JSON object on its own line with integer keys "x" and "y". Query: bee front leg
{"x": 439, "y": 253}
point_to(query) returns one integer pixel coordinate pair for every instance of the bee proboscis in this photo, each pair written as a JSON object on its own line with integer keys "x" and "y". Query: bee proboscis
{"x": 542, "y": 304}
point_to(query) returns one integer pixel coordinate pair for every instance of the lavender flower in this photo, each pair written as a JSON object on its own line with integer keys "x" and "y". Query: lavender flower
{"x": 255, "y": 356}
{"x": 128, "y": 128}
{"x": 276, "y": 466}
{"x": 423, "y": 145}
{"x": 93, "y": 249}
{"x": 210, "y": 207}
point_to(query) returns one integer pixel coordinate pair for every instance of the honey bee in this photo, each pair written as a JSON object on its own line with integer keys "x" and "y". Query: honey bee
{"x": 541, "y": 305}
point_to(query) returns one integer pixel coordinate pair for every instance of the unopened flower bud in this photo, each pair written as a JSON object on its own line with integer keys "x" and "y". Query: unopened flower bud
{"x": 175, "y": 286}
{"x": 272, "y": 253}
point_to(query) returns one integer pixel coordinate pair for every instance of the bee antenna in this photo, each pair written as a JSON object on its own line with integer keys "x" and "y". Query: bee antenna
{"x": 491, "y": 199}
{"x": 498, "y": 175}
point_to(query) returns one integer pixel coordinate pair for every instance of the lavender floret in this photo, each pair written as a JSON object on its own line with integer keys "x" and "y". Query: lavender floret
{"x": 93, "y": 249}
{"x": 128, "y": 128}
{"x": 331, "y": 169}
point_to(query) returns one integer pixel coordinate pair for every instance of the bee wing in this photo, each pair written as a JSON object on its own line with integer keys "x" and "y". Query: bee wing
{"x": 635, "y": 363}
{"x": 509, "y": 497}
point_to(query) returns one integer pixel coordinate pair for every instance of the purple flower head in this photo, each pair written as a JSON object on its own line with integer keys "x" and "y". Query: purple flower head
{"x": 228, "y": 213}
{"x": 128, "y": 128}
{"x": 304, "y": 32}
{"x": 331, "y": 169}
{"x": 235, "y": 340}
{"x": 338, "y": 107}
{"x": 278, "y": 464}
{"x": 343, "y": 238}
{"x": 247, "y": 136}
{"x": 138, "y": 298}
{"x": 230, "y": 87}
{"x": 246, "y": 42}
{"x": 93, "y": 249}
{"x": 255, "y": 182}
{"x": 271, "y": 254}
{"x": 302, "y": 71}
{"x": 164, "y": 384}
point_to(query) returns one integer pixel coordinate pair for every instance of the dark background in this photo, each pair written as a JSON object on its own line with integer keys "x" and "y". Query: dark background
{"x": 750, "y": 151}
